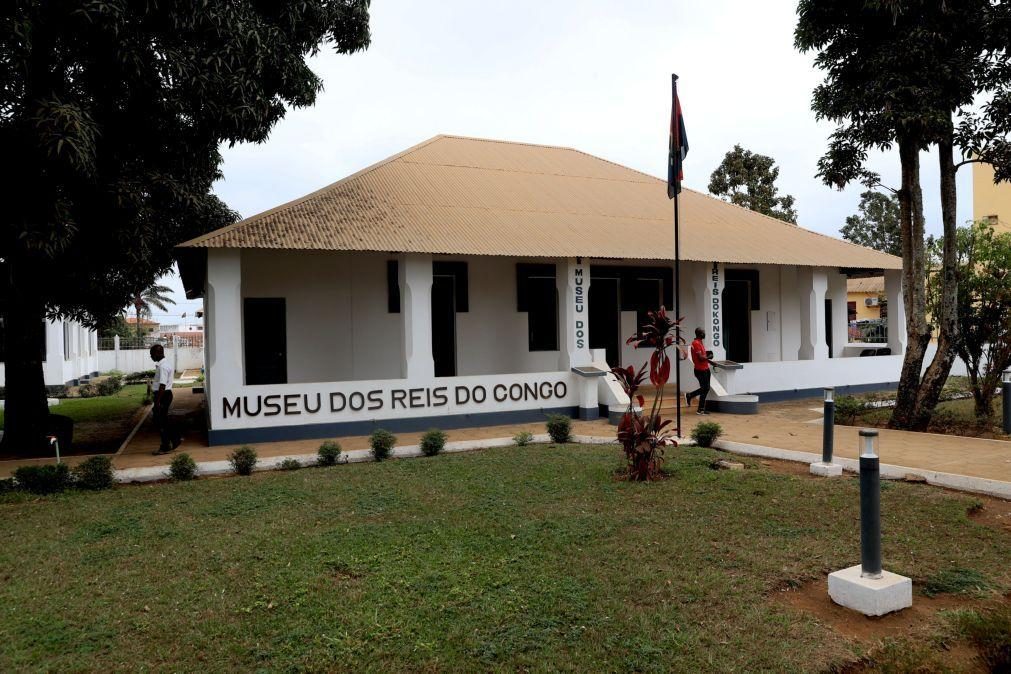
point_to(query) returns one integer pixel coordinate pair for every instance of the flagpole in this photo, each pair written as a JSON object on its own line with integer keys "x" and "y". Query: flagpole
{"x": 677, "y": 310}
{"x": 677, "y": 292}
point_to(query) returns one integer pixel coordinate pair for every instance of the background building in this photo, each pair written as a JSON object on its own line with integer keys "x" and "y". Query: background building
{"x": 990, "y": 203}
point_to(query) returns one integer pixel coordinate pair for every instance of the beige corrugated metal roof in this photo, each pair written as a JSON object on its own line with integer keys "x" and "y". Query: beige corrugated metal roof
{"x": 468, "y": 196}
{"x": 873, "y": 284}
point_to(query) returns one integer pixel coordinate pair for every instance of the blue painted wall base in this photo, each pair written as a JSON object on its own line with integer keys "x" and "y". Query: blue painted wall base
{"x": 237, "y": 436}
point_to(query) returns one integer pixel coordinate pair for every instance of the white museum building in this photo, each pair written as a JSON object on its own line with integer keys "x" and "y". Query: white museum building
{"x": 69, "y": 353}
{"x": 467, "y": 282}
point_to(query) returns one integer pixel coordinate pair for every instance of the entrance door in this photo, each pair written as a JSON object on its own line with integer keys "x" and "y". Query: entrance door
{"x": 265, "y": 333}
{"x": 605, "y": 318}
{"x": 737, "y": 320}
{"x": 444, "y": 325}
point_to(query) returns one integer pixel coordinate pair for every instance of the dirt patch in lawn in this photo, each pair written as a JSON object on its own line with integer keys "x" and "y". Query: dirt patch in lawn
{"x": 812, "y": 598}
{"x": 914, "y": 624}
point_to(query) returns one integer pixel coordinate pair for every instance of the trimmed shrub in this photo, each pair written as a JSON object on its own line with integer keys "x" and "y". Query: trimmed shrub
{"x": 57, "y": 390}
{"x": 848, "y": 407}
{"x": 705, "y": 433}
{"x": 523, "y": 438}
{"x": 289, "y": 464}
{"x": 328, "y": 454}
{"x": 433, "y": 442}
{"x": 382, "y": 441}
{"x": 139, "y": 377}
{"x": 87, "y": 391}
{"x": 183, "y": 468}
{"x": 110, "y": 386}
{"x": 94, "y": 473}
{"x": 7, "y": 485}
{"x": 559, "y": 428}
{"x": 243, "y": 460}
{"x": 43, "y": 479}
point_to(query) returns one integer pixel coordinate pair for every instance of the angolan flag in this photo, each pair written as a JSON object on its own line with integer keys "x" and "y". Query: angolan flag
{"x": 678, "y": 144}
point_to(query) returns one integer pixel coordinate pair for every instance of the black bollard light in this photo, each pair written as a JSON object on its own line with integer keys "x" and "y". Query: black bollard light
{"x": 828, "y": 435}
{"x": 870, "y": 505}
{"x": 1005, "y": 394}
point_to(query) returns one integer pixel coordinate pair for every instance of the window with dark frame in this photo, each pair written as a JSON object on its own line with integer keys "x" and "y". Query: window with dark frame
{"x": 393, "y": 286}
{"x": 537, "y": 295}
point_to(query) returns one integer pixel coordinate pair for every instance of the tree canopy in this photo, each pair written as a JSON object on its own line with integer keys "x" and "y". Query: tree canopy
{"x": 113, "y": 112}
{"x": 984, "y": 299}
{"x": 748, "y": 179}
{"x": 897, "y": 73}
{"x": 877, "y": 224}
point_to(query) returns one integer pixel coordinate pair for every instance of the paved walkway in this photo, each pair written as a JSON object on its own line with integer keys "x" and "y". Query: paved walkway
{"x": 793, "y": 426}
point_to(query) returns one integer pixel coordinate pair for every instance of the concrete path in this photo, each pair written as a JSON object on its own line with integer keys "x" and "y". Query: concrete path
{"x": 788, "y": 426}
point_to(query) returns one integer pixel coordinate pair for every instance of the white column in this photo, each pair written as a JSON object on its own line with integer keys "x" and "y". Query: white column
{"x": 223, "y": 322}
{"x": 415, "y": 271}
{"x": 115, "y": 351}
{"x": 573, "y": 289}
{"x": 896, "y": 312}
{"x": 175, "y": 355}
{"x": 812, "y": 284}
{"x": 840, "y": 316}
{"x": 711, "y": 320}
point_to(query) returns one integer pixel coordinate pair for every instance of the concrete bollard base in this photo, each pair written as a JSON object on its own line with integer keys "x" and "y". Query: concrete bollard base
{"x": 870, "y": 596}
{"x": 826, "y": 469}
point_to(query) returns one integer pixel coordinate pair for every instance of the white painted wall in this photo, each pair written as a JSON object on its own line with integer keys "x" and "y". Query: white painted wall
{"x": 492, "y": 338}
{"x": 139, "y": 360}
{"x": 376, "y": 400}
{"x": 338, "y": 326}
{"x": 61, "y": 367}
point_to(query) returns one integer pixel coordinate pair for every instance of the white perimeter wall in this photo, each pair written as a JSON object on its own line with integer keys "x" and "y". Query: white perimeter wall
{"x": 139, "y": 360}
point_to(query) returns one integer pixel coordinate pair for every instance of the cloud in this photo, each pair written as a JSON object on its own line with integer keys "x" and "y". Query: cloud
{"x": 590, "y": 75}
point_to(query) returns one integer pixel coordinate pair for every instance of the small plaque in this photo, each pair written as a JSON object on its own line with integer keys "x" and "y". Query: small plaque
{"x": 589, "y": 371}
{"x": 728, "y": 365}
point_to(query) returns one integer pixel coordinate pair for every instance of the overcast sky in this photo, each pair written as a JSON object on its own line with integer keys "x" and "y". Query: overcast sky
{"x": 591, "y": 75}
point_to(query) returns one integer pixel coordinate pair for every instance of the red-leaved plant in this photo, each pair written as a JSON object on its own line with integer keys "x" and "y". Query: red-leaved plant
{"x": 644, "y": 436}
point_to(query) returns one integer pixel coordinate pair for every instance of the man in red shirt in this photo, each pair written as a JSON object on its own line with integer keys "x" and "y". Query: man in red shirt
{"x": 700, "y": 361}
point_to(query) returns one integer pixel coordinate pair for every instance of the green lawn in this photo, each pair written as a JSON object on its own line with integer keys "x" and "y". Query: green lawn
{"x": 102, "y": 408}
{"x": 505, "y": 559}
{"x": 100, "y": 423}
{"x": 952, "y": 417}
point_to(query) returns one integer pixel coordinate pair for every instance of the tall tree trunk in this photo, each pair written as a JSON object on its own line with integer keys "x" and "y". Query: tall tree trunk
{"x": 947, "y": 318}
{"x": 25, "y": 409}
{"x": 914, "y": 295}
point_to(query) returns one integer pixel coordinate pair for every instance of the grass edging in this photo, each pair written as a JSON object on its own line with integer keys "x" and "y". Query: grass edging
{"x": 966, "y": 483}
{"x": 223, "y": 467}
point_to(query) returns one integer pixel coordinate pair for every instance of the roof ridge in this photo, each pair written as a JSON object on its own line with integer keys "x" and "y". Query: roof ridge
{"x": 558, "y": 147}
{"x": 294, "y": 202}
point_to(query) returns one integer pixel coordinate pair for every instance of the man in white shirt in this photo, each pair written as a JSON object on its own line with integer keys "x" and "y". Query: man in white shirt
{"x": 162, "y": 386}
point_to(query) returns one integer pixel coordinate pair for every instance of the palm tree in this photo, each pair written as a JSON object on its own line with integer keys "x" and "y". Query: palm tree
{"x": 153, "y": 296}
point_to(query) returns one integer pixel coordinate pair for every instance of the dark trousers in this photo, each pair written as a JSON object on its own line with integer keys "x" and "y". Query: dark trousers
{"x": 161, "y": 421}
{"x": 703, "y": 390}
